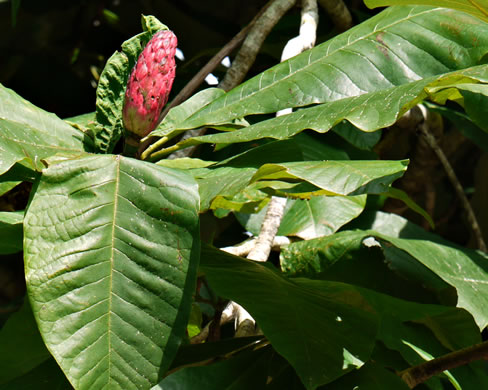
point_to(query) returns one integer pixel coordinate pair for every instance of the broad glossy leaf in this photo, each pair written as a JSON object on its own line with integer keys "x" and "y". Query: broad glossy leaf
{"x": 30, "y": 134}
{"x": 323, "y": 334}
{"x": 247, "y": 370}
{"x": 397, "y": 46}
{"x": 337, "y": 177}
{"x": 21, "y": 345}
{"x": 464, "y": 269}
{"x": 367, "y": 112}
{"x": 478, "y": 8}
{"x": 11, "y": 232}
{"x": 112, "y": 84}
{"x": 111, "y": 250}
{"x": 345, "y": 256}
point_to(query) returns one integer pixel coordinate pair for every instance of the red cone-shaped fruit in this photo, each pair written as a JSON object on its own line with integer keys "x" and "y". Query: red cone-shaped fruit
{"x": 150, "y": 83}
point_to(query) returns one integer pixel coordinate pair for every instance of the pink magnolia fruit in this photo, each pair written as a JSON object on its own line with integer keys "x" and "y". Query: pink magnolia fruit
{"x": 149, "y": 84}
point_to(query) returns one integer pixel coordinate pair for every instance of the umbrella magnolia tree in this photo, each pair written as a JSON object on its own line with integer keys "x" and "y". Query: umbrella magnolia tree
{"x": 124, "y": 287}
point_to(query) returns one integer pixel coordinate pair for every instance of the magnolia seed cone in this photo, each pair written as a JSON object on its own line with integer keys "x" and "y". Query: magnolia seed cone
{"x": 149, "y": 84}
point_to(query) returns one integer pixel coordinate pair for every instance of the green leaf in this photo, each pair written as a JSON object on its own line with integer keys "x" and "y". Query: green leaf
{"x": 111, "y": 250}
{"x": 180, "y": 113}
{"x": 367, "y": 112}
{"x": 319, "y": 216}
{"x": 29, "y": 134}
{"x": 464, "y": 269}
{"x": 322, "y": 333}
{"x": 478, "y": 8}
{"x": 21, "y": 345}
{"x": 476, "y": 104}
{"x": 395, "y": 47}
{"x": 11, "y": 232}
{"x": 222, "y": 181}
{"x": 247, "y": 370}
{"x": 337, "y": 177}
{"x": 356, "y": 137}
{"x": 112, "y": 84}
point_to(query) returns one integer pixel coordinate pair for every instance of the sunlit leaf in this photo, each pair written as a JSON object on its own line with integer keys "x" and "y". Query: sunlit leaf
{"x": 111, "y": 251}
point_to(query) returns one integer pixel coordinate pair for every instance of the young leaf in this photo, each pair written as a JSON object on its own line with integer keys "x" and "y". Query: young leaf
{"x": 111, "y": 250}
{"x": 112, "y": 84}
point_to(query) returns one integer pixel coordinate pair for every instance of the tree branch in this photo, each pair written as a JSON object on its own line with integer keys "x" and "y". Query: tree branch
{"x": 470, "y": 215}
{"x": 269, "y": 228}
{"x": 418, "y": 374}
{"x": 338, "y": 12}
{"x": 253, "y": 42}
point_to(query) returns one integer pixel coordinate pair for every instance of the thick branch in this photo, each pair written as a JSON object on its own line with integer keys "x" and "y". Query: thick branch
{"x": 245, "y": 247}
{"x": 420, "y": 373}
{"x": 338, "y": 12}
{"x": 253, "y": 42}
{"x": 269, "y": 228}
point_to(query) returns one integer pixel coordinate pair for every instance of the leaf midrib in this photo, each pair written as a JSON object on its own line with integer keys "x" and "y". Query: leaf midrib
{"x": 116, "y": 192}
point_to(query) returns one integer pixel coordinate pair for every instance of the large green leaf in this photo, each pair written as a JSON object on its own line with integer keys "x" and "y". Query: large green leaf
{"x": 112, "y": 84}
{"x": 30, "y": 134}
{"x": 324, "y": 327}
{"x": 398, "y": 46}
{"x": 478, "y": 8}
{"x": 323, "y": 334}
{"x": 111, "y": 249}
{"x": 464, "y": 269}
{"x": 367, "y": 112}
{"x": 21, "y": 345}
